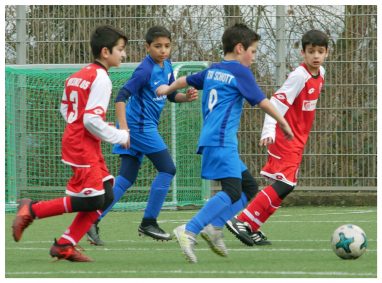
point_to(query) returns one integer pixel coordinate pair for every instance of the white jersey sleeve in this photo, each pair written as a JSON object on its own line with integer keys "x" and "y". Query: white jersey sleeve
{"x": 282, "y": 99}
{"x": 269, "y": 126}
{"x": 96, "y": 108}
{"x": 64, "y": 107}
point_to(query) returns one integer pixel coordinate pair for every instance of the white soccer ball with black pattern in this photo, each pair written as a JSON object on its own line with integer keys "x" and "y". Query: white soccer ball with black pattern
{"x": 349, "y": 241}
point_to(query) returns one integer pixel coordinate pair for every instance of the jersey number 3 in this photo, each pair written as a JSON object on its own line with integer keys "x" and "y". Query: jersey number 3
{"x": 73, "y": 115}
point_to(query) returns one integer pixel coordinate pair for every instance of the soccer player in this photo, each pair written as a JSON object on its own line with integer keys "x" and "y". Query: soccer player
{"x": 296, "y": 100}
{"x": 84, "y": 105}
{"x": 225, "y": 86}
{"x": 141, "y": 117}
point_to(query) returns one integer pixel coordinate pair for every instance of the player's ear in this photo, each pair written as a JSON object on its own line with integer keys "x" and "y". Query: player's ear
{"x": 105, "y": 52}
{"x": 147, "y": 46}
{"x": 239, "y": 48}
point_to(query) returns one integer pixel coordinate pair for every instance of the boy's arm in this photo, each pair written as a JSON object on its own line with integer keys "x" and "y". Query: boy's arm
{"x": 190, "y": 95}
{"x": 271, "y": 110}
{"x": 120, "y": 111}
{"x": 64, "y": 107}
{"x": 96, "y": 108}
{"x": 268, "y": 133}
{"x": 167, "y": 89}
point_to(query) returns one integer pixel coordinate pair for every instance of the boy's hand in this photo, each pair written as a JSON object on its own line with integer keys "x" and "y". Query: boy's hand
{"x": 192, "y": 94}
{"x": 287, "y": 130}
{"x": 127, "y": 144}
{"x": 266, "y": 141}
{"x": 162, "y": 90}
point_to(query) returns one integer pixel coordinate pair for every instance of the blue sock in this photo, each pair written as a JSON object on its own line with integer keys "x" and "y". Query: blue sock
{"x": 222, "y": 218}
{"x": 158, "y": 192}
{"x": 215, "y": 206}
{"x": 120, "y": 187}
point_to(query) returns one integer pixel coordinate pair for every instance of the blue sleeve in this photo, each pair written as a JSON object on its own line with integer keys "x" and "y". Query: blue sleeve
{"x": 123, "y": 95}
{"x": 140, "y": 77}
{"x": 197, "y": 80}
{"x": 248, "y": 87}
{"x": 171, "y": 96}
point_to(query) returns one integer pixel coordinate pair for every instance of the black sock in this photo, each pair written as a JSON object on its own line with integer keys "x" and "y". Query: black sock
{"x": 149, "y": 221}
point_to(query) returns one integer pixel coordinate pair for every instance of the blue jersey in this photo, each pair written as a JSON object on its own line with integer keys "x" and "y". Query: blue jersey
{"x": 225, "y": 85}
{"x": 144, "y": 106}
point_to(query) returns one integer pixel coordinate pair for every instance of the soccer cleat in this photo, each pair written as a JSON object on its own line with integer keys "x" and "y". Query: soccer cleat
{"x": 154, "y": 231}
{"x": 241, "y": 230}
{"x": 93, "y": 236}
{"x": 23, "y": 219}
{"x": 186, "y": 242}
{"x": 214, "y": 238}
{"x": 260, "y": 239}
{"x": 68, "y": 252}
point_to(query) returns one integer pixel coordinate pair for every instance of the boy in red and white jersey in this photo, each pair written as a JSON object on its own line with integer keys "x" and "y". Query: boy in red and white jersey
{"x": 296, "y": 100}
{"x": 84, "y": 105}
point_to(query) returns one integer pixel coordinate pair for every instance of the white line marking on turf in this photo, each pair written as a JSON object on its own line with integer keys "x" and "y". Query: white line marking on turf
{"x": 168, "y": 249}
{"x": 225, "y": 240}
{"x": 184, "y": 221}
{"x": 219, "y": 272}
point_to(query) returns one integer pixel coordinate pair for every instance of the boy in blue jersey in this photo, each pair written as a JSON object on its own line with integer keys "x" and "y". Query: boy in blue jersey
{"x": 225, "y": 86}
{"x": 141, "y": 116}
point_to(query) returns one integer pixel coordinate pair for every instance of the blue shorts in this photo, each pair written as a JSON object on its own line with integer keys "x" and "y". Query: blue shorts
{"x": 142, "y": 144}
{"x": 221, "y": 162}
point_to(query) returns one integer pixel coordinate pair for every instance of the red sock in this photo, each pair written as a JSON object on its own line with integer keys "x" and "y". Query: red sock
{"x": 261, "y": 208}
{"x": 52, "y": 207}
{"x": 80, "y": 225}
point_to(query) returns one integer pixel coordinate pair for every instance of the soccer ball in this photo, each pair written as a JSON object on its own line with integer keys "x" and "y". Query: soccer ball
{"x": 349, "y": 241}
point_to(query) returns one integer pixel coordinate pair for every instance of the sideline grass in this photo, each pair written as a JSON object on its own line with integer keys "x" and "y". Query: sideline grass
{"x": 300, "y": 236}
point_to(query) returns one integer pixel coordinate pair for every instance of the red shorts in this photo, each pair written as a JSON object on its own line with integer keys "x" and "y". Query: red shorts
{"x": 279, "y": 169}
{"x": 88, "y": 181}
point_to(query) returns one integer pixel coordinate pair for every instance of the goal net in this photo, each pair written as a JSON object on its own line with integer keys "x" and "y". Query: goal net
{"x": 34, "y": 127}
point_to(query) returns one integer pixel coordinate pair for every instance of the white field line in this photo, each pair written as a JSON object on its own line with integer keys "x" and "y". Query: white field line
{"x": 280, "y": 215}
{"x": 183, "y": 221}
{"x": 338, "y": 211}
{"x": 171, "y": 249}
{"x": 192, "y": 273}
{"x": 225, "y": 240}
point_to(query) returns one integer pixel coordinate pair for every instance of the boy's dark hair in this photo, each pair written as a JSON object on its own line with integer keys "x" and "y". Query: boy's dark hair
{"x": 314, "y": 37}
{"x": 238, "y": 33}
{"x": 105, "y": 36}
{"x": 155, "y": 32}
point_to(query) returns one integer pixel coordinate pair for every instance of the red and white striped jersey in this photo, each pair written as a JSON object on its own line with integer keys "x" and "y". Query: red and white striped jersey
{"x": 296, "y": 99}
{"x": 83, "y": 106}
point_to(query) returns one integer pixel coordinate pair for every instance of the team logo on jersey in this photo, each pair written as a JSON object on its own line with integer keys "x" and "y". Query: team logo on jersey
{"x": 311, "y": 91}
{"x": 280, "y": 96}
{"x": 309, "y": 105}
{"x": 87, "y": 192}
{"x": 98, "y": 111}
{"x": 160, "y": 98}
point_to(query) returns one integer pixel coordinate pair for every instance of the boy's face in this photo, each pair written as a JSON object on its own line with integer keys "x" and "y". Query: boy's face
{"x": 159, "y": 49}
{"x": 314, "y": 56}
{"x": 117, "y": 56}
{"x": 248, "y": 56}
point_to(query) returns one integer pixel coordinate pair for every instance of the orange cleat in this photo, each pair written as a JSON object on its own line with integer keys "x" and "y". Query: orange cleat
{"x": 23, "y": 219}
{"x": 68, "y": 252}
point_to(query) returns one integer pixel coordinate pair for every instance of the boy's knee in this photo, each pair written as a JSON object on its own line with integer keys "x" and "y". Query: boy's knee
{"x": 232, "y": 187}
{"x": 87, "y": 204}
{"x": 109, "y": 194}
{"x": 171, "y": 170}
{"x": 249, "y": 185}
{"x": 282, "y": 189}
